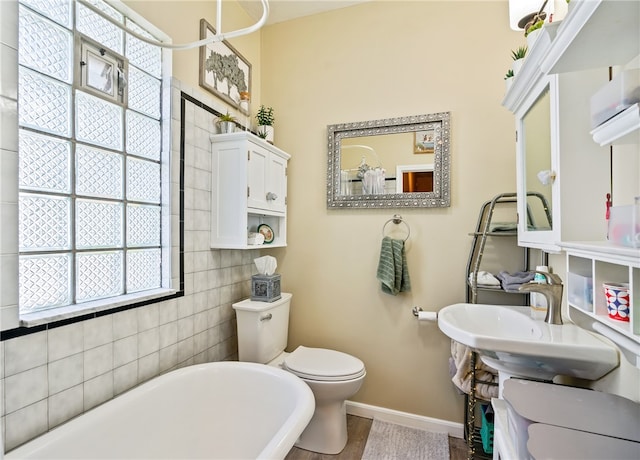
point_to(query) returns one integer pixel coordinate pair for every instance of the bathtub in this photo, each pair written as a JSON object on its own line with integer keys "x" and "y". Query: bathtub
{"x": 223, "y": 410}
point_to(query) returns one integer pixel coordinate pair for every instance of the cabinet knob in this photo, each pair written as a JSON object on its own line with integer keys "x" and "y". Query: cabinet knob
{"x": 271, "y": 196}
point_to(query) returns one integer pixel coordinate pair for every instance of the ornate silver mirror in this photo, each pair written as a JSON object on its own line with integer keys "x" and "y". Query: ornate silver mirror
{"x": 391, "y": 163}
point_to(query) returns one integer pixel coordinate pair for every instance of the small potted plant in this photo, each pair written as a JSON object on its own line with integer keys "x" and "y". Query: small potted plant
{"x": 508, "y": 78}
{"x": 518, "y": 58}
{"x": 265, "y": 120}
{"x": 532, "y": 32}
{"x": 227, "y": 123}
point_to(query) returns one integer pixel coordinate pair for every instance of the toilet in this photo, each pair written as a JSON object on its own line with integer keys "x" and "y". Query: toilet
{"x": 333, "y": 376}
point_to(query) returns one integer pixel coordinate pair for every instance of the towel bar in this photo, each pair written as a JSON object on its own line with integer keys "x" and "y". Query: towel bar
{"x": 397, "y": 219}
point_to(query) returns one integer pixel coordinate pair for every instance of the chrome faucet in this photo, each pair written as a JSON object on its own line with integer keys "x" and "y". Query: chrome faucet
{"x": 552, "y": 291}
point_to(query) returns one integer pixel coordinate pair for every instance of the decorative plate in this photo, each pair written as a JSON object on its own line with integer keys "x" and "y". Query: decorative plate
{"x": 267, "y": 232}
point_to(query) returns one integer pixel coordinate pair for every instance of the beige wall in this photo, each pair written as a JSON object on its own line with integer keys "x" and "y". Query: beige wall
{"x": 379, "y": 60}
{"x": 181, "y": 21}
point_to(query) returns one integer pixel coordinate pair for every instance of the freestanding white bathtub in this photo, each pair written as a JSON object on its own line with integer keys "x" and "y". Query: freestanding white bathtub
{"x": 223, "y": 410}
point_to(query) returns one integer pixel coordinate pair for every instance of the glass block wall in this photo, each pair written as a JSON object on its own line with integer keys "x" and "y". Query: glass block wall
{"x": 89, "y": 167}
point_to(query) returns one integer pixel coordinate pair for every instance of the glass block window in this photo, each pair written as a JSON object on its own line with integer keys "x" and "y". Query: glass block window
{"x": 90, "y": 169}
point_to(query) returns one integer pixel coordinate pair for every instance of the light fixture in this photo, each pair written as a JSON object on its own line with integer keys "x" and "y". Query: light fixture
{"x": 219, "y": 35}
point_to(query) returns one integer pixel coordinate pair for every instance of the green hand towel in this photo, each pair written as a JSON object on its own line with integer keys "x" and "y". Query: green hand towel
{"x": 392, "y": 267}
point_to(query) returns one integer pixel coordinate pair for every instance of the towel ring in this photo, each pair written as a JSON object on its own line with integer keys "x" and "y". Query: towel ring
{"x": 397, "y": 219}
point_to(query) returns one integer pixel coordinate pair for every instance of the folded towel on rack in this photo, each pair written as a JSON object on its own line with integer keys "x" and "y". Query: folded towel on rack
{"x": 485, "y": 279}
{"x": 392, "y": 267}
{"x": 511, "y": 282}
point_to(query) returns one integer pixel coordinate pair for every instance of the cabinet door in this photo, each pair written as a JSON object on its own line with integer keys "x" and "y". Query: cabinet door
{"x": 277, "y": 183}
{"x": 267, "y": 180}
{"x": 258, "y": 163}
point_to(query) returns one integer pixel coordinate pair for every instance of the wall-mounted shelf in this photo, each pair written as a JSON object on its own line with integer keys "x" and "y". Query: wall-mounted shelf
{"x": 603, "y": 262}
{"x": 622, "y": 129}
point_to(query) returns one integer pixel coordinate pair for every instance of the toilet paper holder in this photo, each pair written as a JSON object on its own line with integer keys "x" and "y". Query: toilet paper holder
{"x": 422, "y": 315}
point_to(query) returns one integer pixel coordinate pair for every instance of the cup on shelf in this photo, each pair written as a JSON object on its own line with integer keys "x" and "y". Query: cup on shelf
{"x": 617, "y": 297}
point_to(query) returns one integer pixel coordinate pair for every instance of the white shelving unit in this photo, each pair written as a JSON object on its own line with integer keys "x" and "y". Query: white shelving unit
{"x": 595, "y": 34}
{"x": 604, "y": 263}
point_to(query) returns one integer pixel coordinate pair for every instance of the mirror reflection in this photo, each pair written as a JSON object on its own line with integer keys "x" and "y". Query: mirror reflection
{"x": 398, "y": 162}
{"x": 539, "y": 176}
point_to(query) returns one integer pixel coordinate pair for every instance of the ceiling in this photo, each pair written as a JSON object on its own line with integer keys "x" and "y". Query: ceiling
{"x": 284, "y": 10}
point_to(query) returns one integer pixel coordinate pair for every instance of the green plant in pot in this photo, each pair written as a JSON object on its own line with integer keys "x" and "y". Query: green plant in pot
{"x": 535, "y": 26}
{"x": 265, "y": 119}
{"x": 227, "y": 123}
{"x": 508, "y": 78}
{"x": 518, "y": 58}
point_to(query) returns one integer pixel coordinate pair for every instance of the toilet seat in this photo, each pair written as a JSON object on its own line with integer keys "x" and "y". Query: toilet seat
{"x": 321, "y": 364}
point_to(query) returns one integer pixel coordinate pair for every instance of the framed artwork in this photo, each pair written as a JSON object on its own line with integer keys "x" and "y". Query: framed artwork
{"x": 223, "y": 71}
{"x": 424, "y": 141}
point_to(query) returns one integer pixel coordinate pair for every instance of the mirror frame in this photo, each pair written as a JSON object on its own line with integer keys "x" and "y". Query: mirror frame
{"x": 441, "y": 195}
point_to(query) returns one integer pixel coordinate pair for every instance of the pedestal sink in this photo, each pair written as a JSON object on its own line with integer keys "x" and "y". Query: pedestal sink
{"x": 510, "y": 341}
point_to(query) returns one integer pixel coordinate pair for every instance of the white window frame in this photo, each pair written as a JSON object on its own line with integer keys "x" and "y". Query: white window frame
{"x": 166, "y": 290}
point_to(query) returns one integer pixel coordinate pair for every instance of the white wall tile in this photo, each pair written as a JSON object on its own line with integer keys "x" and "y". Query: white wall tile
{"x": 98, "y": 331}
{"x": 26, "y": 352}
{"x": 185, "y": 328}
{"x": 168, "y": 334}
{"x": 125, "y": 350}
{"x": 25, "y": 424}
{"x": 168, "y": 357}
{"x": 98, "y": 360}
{"x": 25, "y": 388}
{"x": 65, "y": 341}
{"x": 148, "y": 317}
{"x": 148, "y": 366}
{"x": 9, "y": 21}
{"x": 125, "y": 377}
{"x": 66, "y": 373}
{"x": 65, "y": 405}
{"x": 148, "y": 342}
{"x": 8, "y": 178}
{"x": 8, "y": 72}
{"x": 125, "y": 323}
{"x": 8, "y": 124}
{"x": 8, "y": 280}
{"x": 9, "y": 318}
{"x": 98, "y": 390}
{"x": 185, "y": 349}
{"x": 168, "y": 311}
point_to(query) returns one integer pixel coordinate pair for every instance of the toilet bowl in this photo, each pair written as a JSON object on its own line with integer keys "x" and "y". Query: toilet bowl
{"x": 333, "y": 376}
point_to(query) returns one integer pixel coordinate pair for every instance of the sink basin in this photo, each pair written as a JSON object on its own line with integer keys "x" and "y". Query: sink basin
{"x": 510, "y": 341}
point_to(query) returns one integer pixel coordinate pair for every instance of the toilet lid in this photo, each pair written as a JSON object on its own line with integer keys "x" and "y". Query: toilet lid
{"x": 323, "y": 364}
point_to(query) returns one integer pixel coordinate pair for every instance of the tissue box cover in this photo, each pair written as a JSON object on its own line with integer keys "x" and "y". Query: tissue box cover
{"x": 265, "y": 288}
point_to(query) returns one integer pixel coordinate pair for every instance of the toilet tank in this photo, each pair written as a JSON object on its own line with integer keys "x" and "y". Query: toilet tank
{"x": 263, "y": 328}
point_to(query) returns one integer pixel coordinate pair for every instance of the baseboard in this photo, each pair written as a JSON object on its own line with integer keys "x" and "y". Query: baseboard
{"x": 453, "y": 429}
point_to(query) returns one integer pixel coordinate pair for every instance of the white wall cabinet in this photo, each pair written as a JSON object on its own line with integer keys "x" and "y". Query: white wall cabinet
{"x": 571, "y": 58}
{"x": 248, "y": 188}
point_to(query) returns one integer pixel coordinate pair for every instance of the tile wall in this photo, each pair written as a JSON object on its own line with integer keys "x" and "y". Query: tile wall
{"x": 49, "y": 377}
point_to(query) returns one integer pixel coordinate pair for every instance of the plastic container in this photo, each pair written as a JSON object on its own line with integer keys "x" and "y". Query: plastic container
{"x": 620, "y": 93}
{"x": 580, "y": 291}
{"x": 624, "y": 225}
